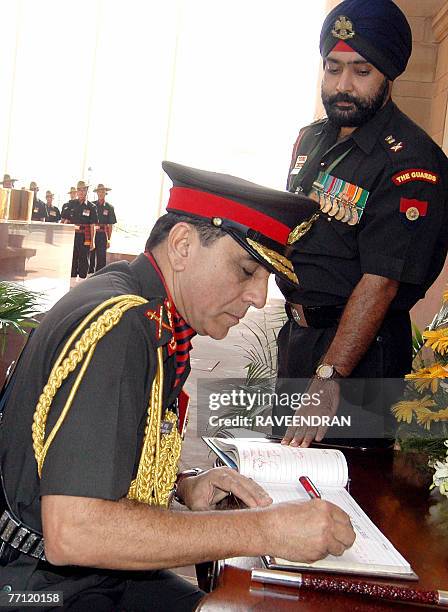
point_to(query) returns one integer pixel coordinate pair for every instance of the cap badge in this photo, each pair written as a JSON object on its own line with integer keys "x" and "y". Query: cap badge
{"x": 217, "y": 221}
{"x": 343, "y": 28}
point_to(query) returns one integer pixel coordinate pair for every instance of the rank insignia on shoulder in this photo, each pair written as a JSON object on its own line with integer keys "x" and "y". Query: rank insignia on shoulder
{"x": 415, "y": 174}
{"x": 394, "y": 145}
{"x": 412, "y": 210}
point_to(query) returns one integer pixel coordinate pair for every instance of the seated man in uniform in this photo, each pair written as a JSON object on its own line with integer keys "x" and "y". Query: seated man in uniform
{"x": 90, "y": 436}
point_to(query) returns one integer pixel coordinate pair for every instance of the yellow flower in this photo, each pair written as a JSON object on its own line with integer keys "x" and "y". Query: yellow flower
{"x": 404, "y": 410}
{"x": 437, "y": 340}
{"x": 427, "y": 417}
{"x": 428, "y": 378}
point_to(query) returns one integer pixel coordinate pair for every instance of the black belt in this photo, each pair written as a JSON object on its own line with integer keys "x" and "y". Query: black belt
{"x": 14, "y": 534}
{"x": 318, "y": 316}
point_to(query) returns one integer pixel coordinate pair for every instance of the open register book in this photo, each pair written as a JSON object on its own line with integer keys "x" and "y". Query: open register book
{"x": 278, "y": 468}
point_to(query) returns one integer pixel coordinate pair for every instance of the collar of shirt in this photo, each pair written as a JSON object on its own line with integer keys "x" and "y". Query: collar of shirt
{"x": 173, "y": 308}
{"x": 183, "y": 333}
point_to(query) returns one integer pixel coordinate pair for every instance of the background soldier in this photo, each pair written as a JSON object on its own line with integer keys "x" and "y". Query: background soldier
{"x": 67, "y": 206}
{"x": 53, "y": 213}
{"x": 8, "y": 182}
{"x": 83, "y": 216}
{"x": 106, "y": 220}
{"x": 39, "y": 209}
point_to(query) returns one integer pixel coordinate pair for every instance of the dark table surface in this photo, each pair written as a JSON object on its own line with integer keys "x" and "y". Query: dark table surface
{"x": 392, "y": 488}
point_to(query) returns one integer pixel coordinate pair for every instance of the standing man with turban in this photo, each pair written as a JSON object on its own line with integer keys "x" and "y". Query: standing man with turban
{"x": 381, "y": 236}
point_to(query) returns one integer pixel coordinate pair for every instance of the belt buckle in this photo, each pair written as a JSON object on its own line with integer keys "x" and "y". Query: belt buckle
{"x": 298, "y": 317}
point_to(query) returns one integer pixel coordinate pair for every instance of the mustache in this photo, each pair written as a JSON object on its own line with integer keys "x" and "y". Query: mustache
{"x": 343, "y": 98}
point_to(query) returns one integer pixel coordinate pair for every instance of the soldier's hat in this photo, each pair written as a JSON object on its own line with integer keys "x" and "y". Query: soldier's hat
{"x": 81, "y": 185}
{"x": 7, "y": 179}
{"x": 378, "y": 31}
{"x": 101, "y": 186}
{"x": 49, "y": 193}
{"x": 33, "y": 185}
{"x": 264, "y": 221}
{"x": 72, "y": 189}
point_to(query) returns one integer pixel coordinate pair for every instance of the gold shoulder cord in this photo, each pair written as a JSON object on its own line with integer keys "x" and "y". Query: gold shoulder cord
{"x": 159, "y": 459}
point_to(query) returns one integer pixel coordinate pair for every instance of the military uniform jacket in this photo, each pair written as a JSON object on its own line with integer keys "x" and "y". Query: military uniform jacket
{"x": 97, "y": 450}
{"x": 83, "y": 213}
{"x": 106, "y": 213}
{"x": 39, "y": 211}
{"x": 383, "y": 198}
{"x": 66, "y": 210}
{"x": 53, "y": 214}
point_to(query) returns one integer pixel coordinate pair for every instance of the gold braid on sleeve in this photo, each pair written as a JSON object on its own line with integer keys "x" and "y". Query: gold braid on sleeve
{"x": 159, "y": 459}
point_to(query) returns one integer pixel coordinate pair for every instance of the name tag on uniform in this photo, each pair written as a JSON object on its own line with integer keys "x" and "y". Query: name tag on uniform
{"x": 300, "y": 161}
{"x": 52, "y": 213}
{"x": 166, "y": 427}
{"x": 35, "y": 210}
{"x": 86, "y": 212}
{"x": 105, "y": 212}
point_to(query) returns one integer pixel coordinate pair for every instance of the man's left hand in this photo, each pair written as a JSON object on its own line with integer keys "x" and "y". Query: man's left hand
{"x": 204, "y": 491}
{"x": 329, "y": 394}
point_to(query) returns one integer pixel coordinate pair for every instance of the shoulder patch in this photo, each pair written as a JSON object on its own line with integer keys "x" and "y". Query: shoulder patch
{"x": 415, "y": 174}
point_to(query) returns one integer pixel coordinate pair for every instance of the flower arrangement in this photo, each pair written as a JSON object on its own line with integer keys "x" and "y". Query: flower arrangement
{"x": 423, "y": 412}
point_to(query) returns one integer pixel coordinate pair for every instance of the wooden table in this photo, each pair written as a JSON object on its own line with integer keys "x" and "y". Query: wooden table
{"x": 393, "y": 490}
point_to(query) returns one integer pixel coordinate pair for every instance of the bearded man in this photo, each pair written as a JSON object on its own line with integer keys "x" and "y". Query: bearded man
{"x": 380, "y": 239}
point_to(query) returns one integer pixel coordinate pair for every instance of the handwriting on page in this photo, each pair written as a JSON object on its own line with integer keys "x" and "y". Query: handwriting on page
{"x": 284, "y": 464}
{"x": 371, "y": 546}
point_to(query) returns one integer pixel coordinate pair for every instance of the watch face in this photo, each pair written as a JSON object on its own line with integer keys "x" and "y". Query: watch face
{"x": 325, "y": 371}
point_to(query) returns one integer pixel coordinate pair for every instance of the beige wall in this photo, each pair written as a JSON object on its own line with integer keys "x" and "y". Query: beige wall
{"x": 422, "y": 93}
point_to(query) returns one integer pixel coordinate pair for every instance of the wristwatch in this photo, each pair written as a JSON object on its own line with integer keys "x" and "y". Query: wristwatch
{"x": 185, "y": 474}
{"x": 325, "y": 371}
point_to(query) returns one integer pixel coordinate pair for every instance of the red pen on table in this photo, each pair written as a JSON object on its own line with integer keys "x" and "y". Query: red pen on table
{"x": 309, "y": 487}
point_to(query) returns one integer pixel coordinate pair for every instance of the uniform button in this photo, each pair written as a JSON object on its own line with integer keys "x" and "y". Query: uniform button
{"x": 322, "y": 164}
{"x": 329, "y": 219}
{"x": 7, "y": 588}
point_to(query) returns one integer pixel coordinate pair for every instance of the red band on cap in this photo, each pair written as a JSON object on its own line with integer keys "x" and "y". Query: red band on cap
{"x": 209, "y": 205}
{"x": 343, "y": 47}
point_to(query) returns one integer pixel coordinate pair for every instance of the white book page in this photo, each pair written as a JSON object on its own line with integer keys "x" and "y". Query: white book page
{"x": 371, "y": 547}
{"x": 270, "y": 462}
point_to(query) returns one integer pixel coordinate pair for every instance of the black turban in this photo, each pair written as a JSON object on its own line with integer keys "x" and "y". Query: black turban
{"x": 376, "y": 29}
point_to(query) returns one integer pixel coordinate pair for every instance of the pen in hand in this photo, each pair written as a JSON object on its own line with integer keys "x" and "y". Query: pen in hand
{"x": 312, "y": 491}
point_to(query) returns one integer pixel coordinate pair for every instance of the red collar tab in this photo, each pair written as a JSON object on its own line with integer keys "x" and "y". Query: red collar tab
{"x": 172, "y": 313}
{"x": 208, "y": 205}
{"x": 342, "y": 47}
